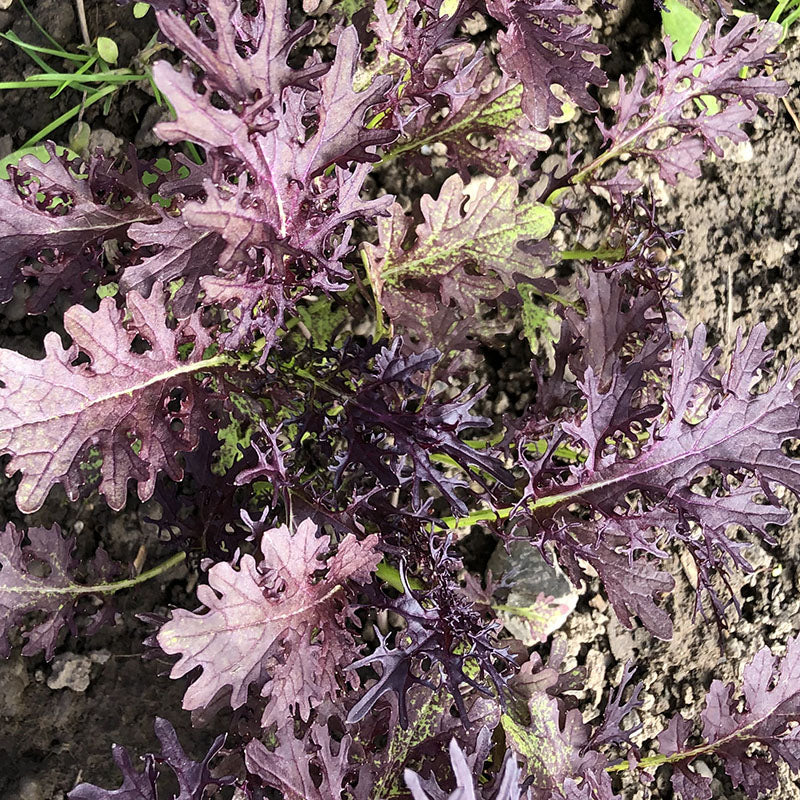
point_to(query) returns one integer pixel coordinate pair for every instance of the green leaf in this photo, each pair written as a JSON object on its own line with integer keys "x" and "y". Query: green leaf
{"x": 541, "y": 743}
{"x": 465, "y": 253}
{"x": 482, "y": 232}
{"x": 107, "y": 49}
{"x": 236, "y": 436}
{"x": 108, "y": 290}
{"x": 537, "y": 320}
{"x": 495, "y": 116}
{"x": 321, "y": 319}
{"x": 681, "y": 25}
{"x": 140, "y": 10}
{"x": 12, "y": 159}
{"x": 79, "y": 135}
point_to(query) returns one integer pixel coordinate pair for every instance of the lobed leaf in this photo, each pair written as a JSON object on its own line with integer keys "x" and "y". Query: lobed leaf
{"x": 56, "y": 215}
{"x": 262, "y": 72}
{"x": 507, "y": 786}
{"x": 195, "y": 780}
{"x": 675, "y": 124}
{"x": 54, "y": 595}
{"x": 646, "y": 454}
{"x": 466, "y": 250}
{"x": 540, "y": 49}
{"x": 751, "y": 730}
{"x": 272, "y": 624}
{"x": 135, "y": 410}
{"x": 289, "y": 766}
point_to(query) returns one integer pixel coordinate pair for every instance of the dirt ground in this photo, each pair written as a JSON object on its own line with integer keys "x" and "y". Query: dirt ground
{"x": 739, "y": 264}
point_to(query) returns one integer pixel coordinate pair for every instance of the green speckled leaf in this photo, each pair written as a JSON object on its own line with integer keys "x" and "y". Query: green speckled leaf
{"x": 235, "y": 437}
{"x": 544, "y": 747}
{"x": 539, "y": 324}
{"x": 465, "y": 251}
{"x": 484, "y": 128}
{"x": 321, "y": 319}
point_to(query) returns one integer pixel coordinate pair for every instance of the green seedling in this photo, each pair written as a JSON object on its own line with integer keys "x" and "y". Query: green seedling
{"x": 786, "y": 13}
{"x": 93, "y": 76}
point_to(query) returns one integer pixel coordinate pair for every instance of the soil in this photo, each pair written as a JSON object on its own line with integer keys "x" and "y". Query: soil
{"x": 739, "y": 265}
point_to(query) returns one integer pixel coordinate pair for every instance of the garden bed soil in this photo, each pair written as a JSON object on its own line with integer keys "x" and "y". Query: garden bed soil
{"x": 738, "y": 263}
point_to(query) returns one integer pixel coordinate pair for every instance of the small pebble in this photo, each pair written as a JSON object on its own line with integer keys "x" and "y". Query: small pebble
{"x": 70, "y": 671}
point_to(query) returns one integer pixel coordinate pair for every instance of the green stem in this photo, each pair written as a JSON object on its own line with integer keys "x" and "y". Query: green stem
{"x": 380, "y": 328}
{"x": 485, "y": 515}
{"x": 453, "y": 523}
{"x": 391, "y": 575}
{"x": 83, "y": 69}
{"x": 116, "y": 586}
{"x": 709, "y": 748}
{"x": 73, "y": 112}
{"x": 602, "y": 254}
{"x": 80, "y": 77}
{"x": 61, "y": 79}
{"x": 15, "y": 40}
{"x": 40, "y": 28}
{"x": 519, "y": 611}
{"x": 555, "y": 298}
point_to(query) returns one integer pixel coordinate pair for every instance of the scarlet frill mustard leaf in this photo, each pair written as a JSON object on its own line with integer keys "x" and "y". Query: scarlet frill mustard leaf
{"x": 446, "y": 635}
{"x": 52, "y": 215}
{"x": 422, "y": 744}
{"x": 195, "y": 781}
{"x": 135, "y": 785}
{"x": 310, "y": 768}
{"x": 272, "y": 623}
{"x": 646, "y": 453}
{"x": 262, "y": 72}
{"x": 278, "y": 151}
{"x": 55, "y": 594}
{"x": 750, "y": 731}
{"x": 104, "y": 398}
{"x": 197, "y": 119}
{"x": 540, "y": 49}
{"x": 730, "y": 69}
{"x": 407, "y": 41}
{"x": 183, "y": 253}
{"x": 435, "y": 70}
{"x": 466, "y": 250}
{"x": 390, "y": 433}
{"x": 485, "y": 126}
{"x": 551, "y": 746}
{"x": 507, "y": 786}
{"x": 545, "y": 730}
{"x": 286, "y": 163}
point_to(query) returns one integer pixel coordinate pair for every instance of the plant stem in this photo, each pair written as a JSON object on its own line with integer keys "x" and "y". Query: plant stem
{"x": 57, "y": 79}
{"x": 603, "y": 254}
{"x": 48, "y": 51}
{"x": 82, "y": 21}
{"x": 391, "y": 575}
{"x": 74, "y": 111}
{"x": 116, "y": 586}
{"x": 380, "y": 329}
{"x": 38, "y": 26}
